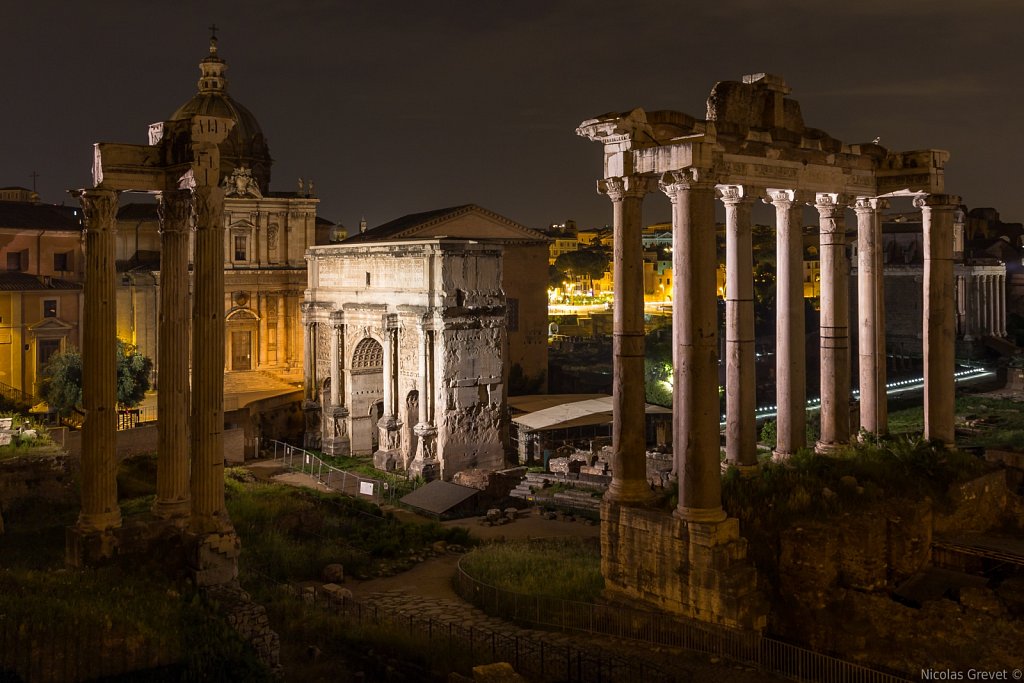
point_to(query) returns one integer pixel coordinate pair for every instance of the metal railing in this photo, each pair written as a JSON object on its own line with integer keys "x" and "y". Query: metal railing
{"x": 342, "y": 481}
{"x": 661, "y": 629}
{"x": 17, "y": 395}
{"x": 532, "y": 656}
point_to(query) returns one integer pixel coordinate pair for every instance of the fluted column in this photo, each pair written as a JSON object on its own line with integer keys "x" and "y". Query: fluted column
{"x": 870, "y": 316}
{"x": 336, "y": 336}
{"x": 695, "y": 342}
{"x": 281, "y": 357}
{"x": 173, "y": 498}
{"x": 790, "y": 363}
{"x": 937, "y": 212}
{"x": 309, "y": 362}
{"x": 1001, "y": 302}
{"x": 100, "y": 510}
{"x": 834, "y": 328}
{"x": 208, "y": 511}
{"x": 740, "y": 380}
{"x": 629, "y": 452}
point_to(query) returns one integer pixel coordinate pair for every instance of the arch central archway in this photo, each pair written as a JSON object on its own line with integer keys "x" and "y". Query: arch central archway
{"x": 365, "y": 390}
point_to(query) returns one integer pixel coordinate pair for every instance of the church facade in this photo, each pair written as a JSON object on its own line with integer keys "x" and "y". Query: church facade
{"x": 266, "y": 235}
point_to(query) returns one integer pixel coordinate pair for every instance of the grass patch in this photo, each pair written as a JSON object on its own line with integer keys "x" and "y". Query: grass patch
{"x": 292, "y": 533}
{"x": 566, "y": 568}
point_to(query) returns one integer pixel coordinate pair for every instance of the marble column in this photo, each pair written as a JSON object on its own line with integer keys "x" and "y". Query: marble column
{"x": 209, "y": 513}
{"x": 1001, "y": 302}
{"x": 425, "y": 463}
{"x": 695, "y": 341}
{"x": 937, "y": 213}
{"x": 173, "y": 497}
{"x": 100, "y": 510}
{"x": 629, "y": 452}
{"x": 834, "y": 328}
{"x": 280, "y": 343}
{"x": 336, "y": 440}
{"x": 389, "y": 424}
{"x": 740, "y": 374}
{"x": 870, "y": 316}
{"x": 309, "y": 362}
{"x": 790, "y": 362}
{"x": 986, "y": 303}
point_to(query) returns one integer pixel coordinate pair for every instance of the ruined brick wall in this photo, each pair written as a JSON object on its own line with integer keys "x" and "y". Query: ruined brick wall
{"x": 49, "y": 478}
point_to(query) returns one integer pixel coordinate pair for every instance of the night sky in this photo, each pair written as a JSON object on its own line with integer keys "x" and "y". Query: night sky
{"x": 399, "y": 107}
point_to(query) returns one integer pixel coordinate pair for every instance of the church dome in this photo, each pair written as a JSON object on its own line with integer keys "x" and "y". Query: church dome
{"x": 245, "y": 146}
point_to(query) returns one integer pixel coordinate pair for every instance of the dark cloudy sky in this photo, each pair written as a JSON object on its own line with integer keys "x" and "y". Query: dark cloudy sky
{"x": 398, "y": 107}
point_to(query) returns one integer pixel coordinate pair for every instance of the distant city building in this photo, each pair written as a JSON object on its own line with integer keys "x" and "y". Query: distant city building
{"x": 40, "y": 285}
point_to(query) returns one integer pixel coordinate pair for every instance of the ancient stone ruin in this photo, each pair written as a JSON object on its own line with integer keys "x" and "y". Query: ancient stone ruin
{"x": 753, "y": 144}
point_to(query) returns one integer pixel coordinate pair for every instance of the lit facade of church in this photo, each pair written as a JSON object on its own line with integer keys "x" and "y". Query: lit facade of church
{"x": 266, "y": 235}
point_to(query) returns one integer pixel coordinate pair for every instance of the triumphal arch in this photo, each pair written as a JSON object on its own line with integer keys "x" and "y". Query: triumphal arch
{"x": 404, "y": 353}
{"x": 751, "y": 146}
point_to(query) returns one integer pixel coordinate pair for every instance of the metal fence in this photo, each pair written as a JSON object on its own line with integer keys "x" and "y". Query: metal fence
{"x": 64, "y": 651}
{"x": 342, "y": 481}
{"x": 660, "y": 629}
{"x": 532, "y": 656}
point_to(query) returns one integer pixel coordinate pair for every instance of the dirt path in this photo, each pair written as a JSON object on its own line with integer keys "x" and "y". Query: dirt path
{"x": 432, "y": 578}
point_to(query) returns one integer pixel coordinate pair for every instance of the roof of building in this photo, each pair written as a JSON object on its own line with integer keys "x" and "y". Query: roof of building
{"x": 592, "y": 411}
{"x": 439, "y": 223}
{"x": 438, "y": 497}
{"x": 245, "y": 145}
{"x": 16, "y": 281}
{"x": 37, "y": 216}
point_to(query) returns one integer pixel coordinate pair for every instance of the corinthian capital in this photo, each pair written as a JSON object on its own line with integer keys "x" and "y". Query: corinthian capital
{"x": 733, "y": 194}
{"x": 829, "y": 204}
{"x": 99, "y": 207}
{"x": 209, "y": 206}
{"x": 937, "y": 201}
{"x": 684, "y": 179}
{"x": 175, "y": 210}
{"x": 619, "y": 187}
{"x": 869, "y": 204}
{"x": 780, "y": 198}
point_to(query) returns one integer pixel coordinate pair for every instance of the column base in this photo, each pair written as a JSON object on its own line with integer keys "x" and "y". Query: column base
{"x": 746, "y": 471}
{"x": 213, "y": 557}
{"x": 339, "y": 445}
{"x": 827, "y": 447}
{"x": 89, "y": 547}
{"x": 781, "y": 456}
{"x": 428, "y": 469}
{"x": 636, "y": 493}
{"x": 173, "y": 509}
{"x": 696, "y": 569}
{"x": 386, "y": 461}
{"x": 99, "y": 521}
{"x": 702, "y": 516}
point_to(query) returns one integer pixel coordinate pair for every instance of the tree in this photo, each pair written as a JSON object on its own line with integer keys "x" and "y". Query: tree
{"x": 61, "y": 384}
{"x": 590, "y": 263}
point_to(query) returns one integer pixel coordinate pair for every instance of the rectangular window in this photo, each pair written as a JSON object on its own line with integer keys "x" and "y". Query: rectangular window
{"x": 62, "y": 262}
{"x": 240, "y": 248}
{"x": 47, "y": 347}
{"x": 49, "y": 308}
{"x": 512, "y": 312}
{"x": 14, "y": 260}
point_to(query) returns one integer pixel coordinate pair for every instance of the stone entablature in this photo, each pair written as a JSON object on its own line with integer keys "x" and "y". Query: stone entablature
{"x": 405, "y": 356}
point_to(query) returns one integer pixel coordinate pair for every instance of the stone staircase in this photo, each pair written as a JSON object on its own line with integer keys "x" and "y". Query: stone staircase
{"x": 582, "y": 498}
{"x": 254, "y": 381}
